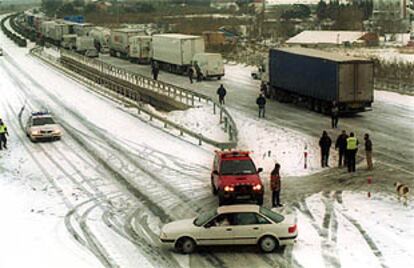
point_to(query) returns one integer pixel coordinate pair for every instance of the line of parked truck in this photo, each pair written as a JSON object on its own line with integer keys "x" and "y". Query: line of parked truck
{"x": 175, "y": 53}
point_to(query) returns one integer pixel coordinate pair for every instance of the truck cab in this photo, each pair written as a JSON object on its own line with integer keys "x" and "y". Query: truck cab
{"x": 234, "y": 177}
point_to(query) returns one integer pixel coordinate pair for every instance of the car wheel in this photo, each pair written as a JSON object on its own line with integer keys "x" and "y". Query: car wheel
{"x": 268, "y": 244}
{"x": 185, "y": 245}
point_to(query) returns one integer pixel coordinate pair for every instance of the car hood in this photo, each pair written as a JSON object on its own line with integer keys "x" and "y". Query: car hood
{"x": 241, "y": 179}
{"x": 179, "y": 226}
{"x": 45, "y": 127}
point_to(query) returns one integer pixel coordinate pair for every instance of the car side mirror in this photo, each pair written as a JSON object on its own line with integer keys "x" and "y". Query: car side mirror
{"x": 259, "y": 170}
{"x": 215, "y": 172}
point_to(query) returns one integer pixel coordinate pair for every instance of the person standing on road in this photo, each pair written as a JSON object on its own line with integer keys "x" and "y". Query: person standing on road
{"x": 368, "y": 151}
{"x": 263, "y": 89}
{"x": 261, "y": 102}
{"x": 155, "y": 70}
{"x": 334, "y": 115}
{"x": 191, "y": 74}
{"x": 275, "y": 186}
{"x": 221, "y": 92}
{"x": 3, "y": 133}
{"x": 325, "y": 143}
{"x": 340, "y": 145}
{"x": 198, "y": 72}
{"x": 351, "y": 151}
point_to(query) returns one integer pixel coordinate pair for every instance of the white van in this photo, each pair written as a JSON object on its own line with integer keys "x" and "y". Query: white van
{"x": 211, "y": 64}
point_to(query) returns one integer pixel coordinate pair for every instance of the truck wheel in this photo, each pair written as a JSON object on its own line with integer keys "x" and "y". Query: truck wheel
{"x": 219, "y": 78}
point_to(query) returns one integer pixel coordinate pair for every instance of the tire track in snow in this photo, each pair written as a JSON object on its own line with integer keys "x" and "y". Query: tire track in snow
{"x": 370, "y": 242}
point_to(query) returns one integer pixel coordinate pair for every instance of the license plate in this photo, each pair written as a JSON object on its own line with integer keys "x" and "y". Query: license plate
{"x": 243, "y": 196}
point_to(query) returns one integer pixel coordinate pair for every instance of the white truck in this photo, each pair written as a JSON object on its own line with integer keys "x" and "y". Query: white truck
{"x": 85, "y": 46}
{"x": 69, "y": 41}
{"x": 140, "y": 49}
{"x": 101, "y": 37}
{"x": 177, "y": 53}
{"x": 120, "y": 39}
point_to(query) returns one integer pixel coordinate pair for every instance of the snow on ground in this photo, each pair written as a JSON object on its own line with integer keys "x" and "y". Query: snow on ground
{"x": 32, "y": 229}
{"x": 271, "y": 143}
{"x": 201, "y": 120}
{"x": 385, "y": 54}
{"x": 393, "y": 98}
{"x": 355, "y": 230}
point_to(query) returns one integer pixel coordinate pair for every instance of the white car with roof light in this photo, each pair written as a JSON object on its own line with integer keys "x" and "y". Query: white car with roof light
{"x": 232, "y": 225}
{"x": 41, "y": 127}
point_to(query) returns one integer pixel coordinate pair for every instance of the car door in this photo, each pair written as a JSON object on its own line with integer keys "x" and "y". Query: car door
{"x": 215, "y": 232}
{"x": 248, "y": 227}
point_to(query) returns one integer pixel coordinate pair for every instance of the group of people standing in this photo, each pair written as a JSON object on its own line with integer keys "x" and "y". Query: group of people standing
{"x": 347, "y": 146}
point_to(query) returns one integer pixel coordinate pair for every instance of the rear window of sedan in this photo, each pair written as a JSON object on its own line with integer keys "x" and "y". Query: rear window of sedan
{"x": 275, "y": 217}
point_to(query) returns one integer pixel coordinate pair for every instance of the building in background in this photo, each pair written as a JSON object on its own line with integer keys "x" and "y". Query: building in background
{"x": 333, "y": 38}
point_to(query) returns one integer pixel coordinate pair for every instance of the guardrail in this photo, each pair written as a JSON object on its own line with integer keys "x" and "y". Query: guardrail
{"x": 127, "y": 95}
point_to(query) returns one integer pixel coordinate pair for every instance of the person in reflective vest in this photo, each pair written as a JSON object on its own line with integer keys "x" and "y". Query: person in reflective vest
{"x": 351, "y": 149}
{"x": 3, "y": 133}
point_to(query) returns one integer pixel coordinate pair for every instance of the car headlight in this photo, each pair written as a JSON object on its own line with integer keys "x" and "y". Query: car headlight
{"x": 257, "y": 187}
{"x": 56, "y": 131}
{"x": 35, "y": 132}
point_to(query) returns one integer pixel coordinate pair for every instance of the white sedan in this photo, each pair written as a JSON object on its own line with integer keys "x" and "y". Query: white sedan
{"x": 232, "y": 225}
{"x": 41, "y": 126}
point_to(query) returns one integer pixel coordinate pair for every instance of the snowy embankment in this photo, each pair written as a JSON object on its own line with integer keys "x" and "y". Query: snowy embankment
{"x": 344, "y": 229}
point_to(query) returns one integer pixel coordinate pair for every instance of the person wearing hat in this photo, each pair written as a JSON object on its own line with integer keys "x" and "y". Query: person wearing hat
{"x": 3, "y": 133}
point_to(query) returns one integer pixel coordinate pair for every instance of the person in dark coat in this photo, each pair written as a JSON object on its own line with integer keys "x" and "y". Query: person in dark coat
{"x": 334, "y": 115}
{"x": 340, "y": 145}
{"x": 368, "y": 151}
{"x": 261, "y": 102}
{"x": 3, "y": 133}
{"x": 221, "y": 92}
{"x": 191, "y": 74}
{"x": 263, "y": 89}
{"x": 351, "y": 151}
{"x": 198, "y": 72}
{"x": 155, "y": 70}
{"x": 325, "y": 143}
{"x": 275, "y": 186}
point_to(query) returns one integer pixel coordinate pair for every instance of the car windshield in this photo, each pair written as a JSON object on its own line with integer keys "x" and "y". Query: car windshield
{"x": 205, "y": 217}
{"x": 237, "y": 167}
{"x": 276, "y": 217}
{"x": 42, "y": 121}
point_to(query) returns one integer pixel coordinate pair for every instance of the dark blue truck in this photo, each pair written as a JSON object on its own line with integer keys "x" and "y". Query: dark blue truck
{"x": 318, "y": 78}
